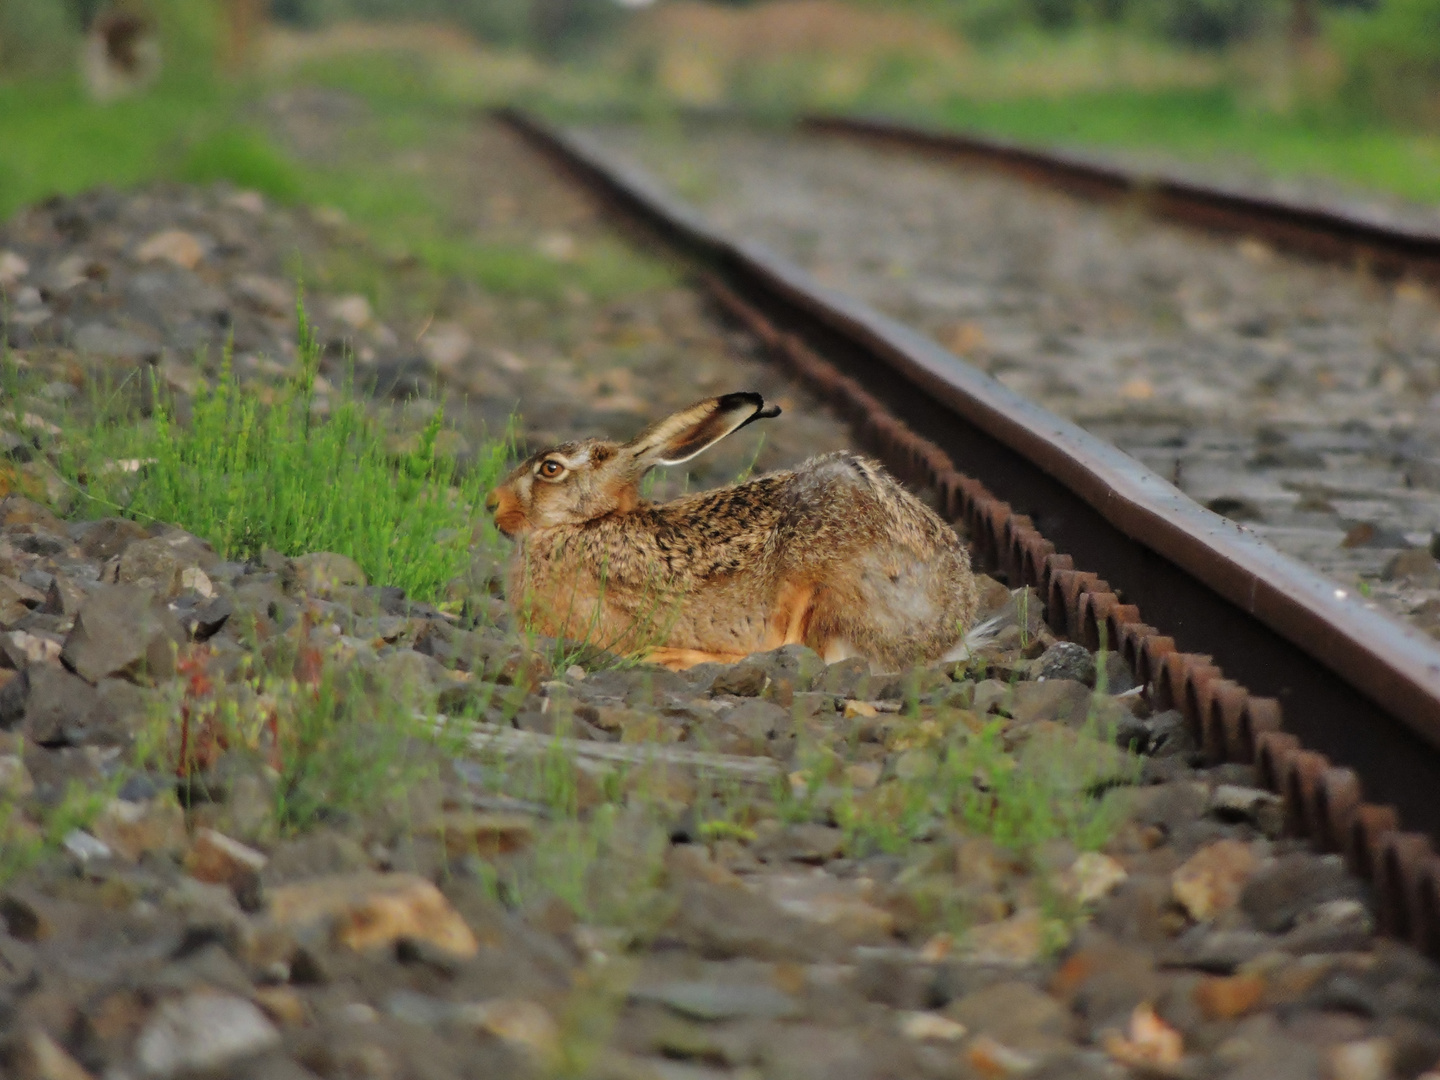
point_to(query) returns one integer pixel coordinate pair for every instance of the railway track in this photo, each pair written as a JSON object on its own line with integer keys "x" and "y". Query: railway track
{"x": 1378, "y": 243}
{"x": 1336, "y": 704}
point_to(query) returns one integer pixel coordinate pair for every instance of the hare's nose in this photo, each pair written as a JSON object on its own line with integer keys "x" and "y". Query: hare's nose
{"x": 492, "y": 501}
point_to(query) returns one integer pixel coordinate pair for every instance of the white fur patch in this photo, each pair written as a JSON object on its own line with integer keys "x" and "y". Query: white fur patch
{"x": 977, "y": 637}
{"x": 837, "y": 649}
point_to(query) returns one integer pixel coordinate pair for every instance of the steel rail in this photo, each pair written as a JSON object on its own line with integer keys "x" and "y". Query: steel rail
{"x": 1269, "y": 662}
{"x": 1352, "y": 235}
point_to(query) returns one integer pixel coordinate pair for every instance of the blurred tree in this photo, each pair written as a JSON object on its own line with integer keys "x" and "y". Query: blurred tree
{"x": 1391, "y": 57}
{"x": 559, "y": 25}
{"x": 36, "y": 36}
{"x": 550, "y": 25}
{"x": 303, "y": 13}
{"x": 1213, "y": 24}
{"x": 83, "y": 12}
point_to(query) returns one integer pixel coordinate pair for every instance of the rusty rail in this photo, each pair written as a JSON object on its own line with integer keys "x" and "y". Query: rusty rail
{"x": 1350, "y": 235}
{"x": 1269, "y": 663}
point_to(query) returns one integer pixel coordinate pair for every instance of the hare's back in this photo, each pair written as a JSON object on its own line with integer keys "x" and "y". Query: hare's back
{"x": 842, "y": 501}
{"x": 892, "y": 580}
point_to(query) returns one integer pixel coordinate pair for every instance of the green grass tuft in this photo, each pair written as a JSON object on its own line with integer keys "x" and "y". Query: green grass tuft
{"x": 246, "y": 158}
{"x": 247, "y": 476}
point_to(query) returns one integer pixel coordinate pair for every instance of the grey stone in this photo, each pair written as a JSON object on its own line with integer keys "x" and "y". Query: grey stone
{"x": 804, "y": 842}
{"x": 1081, "y": 1065}
{"x": 61, "y": 708}
{"x": 325, "y": 574}
{"x": 123, "y": 631}
{"x": 1119, "y": 679}
{"x": 112, "y": 343}
{"x": 814, "y": 703}
{"x": 723, "y": 922}
{"x": 895, "y": 977}
{"x": 1016, "y": 1014}
{"x": 991, "y": 695}
{"x": 745, "y": 679}
{"x": 1218, "y": 951}
{"x": 109, "y": 537}
{"x": 847, "y": 678}
{"x": 1165, "y": 734}
{"x": 1415, "y": 566}
{"x": 1263, "y": 809}
{"x": 1062, "y": 700}
{"x": 1065, "y": 660}
{"x": 747, "y": 728}
{"x": 711, "y": 1000}
{"x": 202, "y": 1031}
{"x": 1171, "y": 805}
{"x": 909, "y": 685}
{"x": 17, "y": 600}
{"x": 206, "y": 620}
{"x": 417, "y": 677}
{"x": 1277, "y": 894}
{"x": 152, "y": 563}
{"x": 1275, "y": 1057}
{"x": 65, "y": 595}
{"x": 422, "y": 1010}
{"x": 315, "y": 853}
{"x": 955, "y": 695}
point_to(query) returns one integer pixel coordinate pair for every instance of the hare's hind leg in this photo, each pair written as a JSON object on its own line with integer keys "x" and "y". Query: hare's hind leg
{"x": 680, "y": 659}
{"x": 790, "y": 616}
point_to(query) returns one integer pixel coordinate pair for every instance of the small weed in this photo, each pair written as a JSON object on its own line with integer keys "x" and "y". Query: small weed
{"x": 25, "y": 842}
{"x": 958, "y": 772}
{"x": 334, "y": 740}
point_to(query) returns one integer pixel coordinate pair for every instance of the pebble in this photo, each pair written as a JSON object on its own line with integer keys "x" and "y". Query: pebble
{"x": 712, "y": 1001}
{"x": 367, "y": 910}
{"x": 1210, "y": 881}
{"x": 176, "y": 246}
{"x": 202, "y": 1031}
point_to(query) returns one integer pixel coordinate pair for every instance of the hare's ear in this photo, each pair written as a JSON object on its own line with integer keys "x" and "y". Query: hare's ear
{"x": 680, "y": 437}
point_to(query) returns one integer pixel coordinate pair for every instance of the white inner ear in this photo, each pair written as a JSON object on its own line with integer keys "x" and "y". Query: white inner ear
{"x": 687, "y": 457}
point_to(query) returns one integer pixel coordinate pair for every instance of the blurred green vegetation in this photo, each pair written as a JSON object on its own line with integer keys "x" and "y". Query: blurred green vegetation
{"x": 1211, "y": 124}
{"x": 1348, "y": 89}
{"x": 553, "y": 27}
{"x": 56, "y": 141}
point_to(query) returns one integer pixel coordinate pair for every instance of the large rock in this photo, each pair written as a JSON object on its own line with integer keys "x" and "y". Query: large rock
{"x": 123, "y": 631}
{"x": 1209, "y": 883}
{"x": 17, "y": 600}
{"x": 368, "y": 910}
{"x": 151, "y": 563}
{"x": 1294, "y": 884}
{"x": 721, "y": 922}
{"x": 1018, "y": 1015}
{"x": 61, "y": 708}
{"x": 1065, "y": 660}
{"x": 324, "y": 573}
{"x": 202, "y": 1031}
{"x": 109, "y": 537}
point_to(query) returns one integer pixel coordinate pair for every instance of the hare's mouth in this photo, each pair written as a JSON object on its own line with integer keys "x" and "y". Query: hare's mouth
{"x": 511, "y": 524}
{"x": 509, "y": 518}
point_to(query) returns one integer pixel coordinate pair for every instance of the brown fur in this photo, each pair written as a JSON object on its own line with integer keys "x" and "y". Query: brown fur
{"x": 834, "y": 554}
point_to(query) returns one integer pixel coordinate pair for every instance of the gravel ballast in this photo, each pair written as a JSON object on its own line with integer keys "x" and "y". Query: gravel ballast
{"x": 576, "y": 865}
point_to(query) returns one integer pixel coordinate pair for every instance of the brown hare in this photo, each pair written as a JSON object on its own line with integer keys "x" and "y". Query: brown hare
{"x": 834, "y": 554}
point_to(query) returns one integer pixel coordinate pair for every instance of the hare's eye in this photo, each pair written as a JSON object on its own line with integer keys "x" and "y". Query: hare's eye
{"x": 551, "y": 469}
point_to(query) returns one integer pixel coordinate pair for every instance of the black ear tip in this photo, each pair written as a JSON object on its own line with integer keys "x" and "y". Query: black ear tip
{"x": 741, "y": 397}
{"x": 767, "y": 414}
